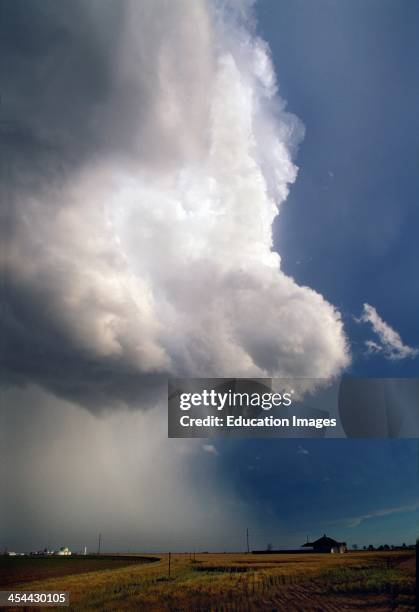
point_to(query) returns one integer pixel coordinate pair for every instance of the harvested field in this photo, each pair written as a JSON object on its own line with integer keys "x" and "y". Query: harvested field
{"x": 19, "y": 570}
{"x": 373, "y": 581}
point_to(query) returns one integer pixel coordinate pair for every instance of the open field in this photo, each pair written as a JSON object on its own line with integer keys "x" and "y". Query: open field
{"x": 373, "y": 581}
{"x": 19, "y": 570}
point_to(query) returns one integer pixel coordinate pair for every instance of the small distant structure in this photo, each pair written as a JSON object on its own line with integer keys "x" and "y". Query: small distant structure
{"x": 326, "y": 545}
{"x": 64, "y": 551}
{"x": 322, "y": 545}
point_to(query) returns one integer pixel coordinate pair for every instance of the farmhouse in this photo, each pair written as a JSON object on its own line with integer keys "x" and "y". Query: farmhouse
{"x": 326, "y": 545}
{"x": 322, "y": 545}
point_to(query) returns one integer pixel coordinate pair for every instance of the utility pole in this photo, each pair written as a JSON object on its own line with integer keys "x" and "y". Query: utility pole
{"x": 169, "y": 563}
{"x": 99, "y": 544}
{"x": 247, "y": 540}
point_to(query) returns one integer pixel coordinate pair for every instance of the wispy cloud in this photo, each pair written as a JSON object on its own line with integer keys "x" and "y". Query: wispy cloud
{"x": 210, "y": 448}
{"x": 356, "y": 521}
{"x": 389, "y": 344}
{"x": 302, "y": 451}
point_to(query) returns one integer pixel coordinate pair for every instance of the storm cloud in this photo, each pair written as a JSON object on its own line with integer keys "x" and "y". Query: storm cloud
{"x": 146, "y": 153}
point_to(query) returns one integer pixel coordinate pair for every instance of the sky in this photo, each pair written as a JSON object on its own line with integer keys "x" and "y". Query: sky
{"x": 202, "y": 189}
{"x": 349, "y": 70}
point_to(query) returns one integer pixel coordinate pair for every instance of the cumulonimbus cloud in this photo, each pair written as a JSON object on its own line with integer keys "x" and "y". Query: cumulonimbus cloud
{"x": 140, "y": 242}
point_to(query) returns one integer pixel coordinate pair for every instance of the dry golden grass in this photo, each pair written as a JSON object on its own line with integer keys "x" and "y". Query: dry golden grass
{"x": 246, "y": 582}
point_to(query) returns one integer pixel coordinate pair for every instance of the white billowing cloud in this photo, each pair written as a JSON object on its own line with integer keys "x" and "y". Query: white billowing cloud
{"x": 390, "y": 343}
{"x": 157, "y": 253}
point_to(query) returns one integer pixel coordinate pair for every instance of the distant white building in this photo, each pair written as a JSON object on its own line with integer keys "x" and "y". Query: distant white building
{"x": 64, "y": 551}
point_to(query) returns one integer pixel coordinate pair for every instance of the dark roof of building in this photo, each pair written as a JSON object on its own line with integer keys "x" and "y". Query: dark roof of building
{"x": 324, "y": 542}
